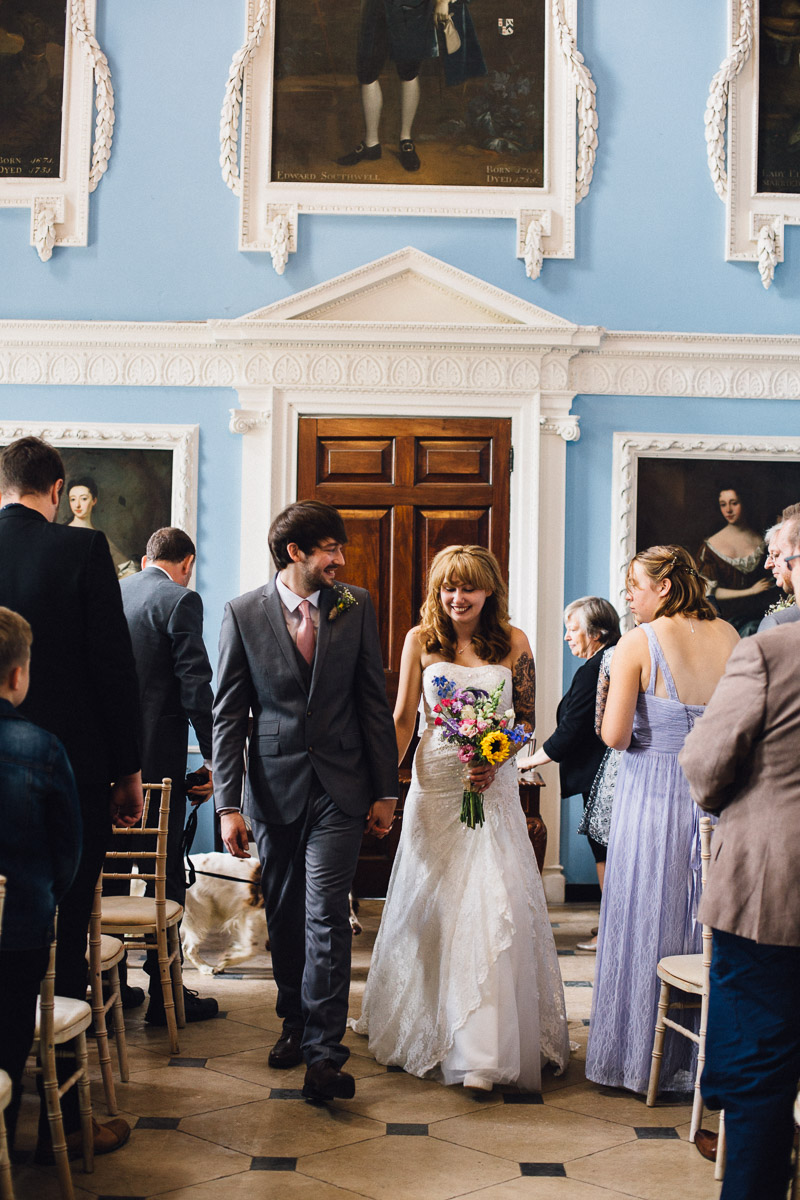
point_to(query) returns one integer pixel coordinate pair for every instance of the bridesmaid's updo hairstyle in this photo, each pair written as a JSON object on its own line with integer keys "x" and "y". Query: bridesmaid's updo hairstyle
{"x": 687, "y": 592}
{"x": 476, "y": 567}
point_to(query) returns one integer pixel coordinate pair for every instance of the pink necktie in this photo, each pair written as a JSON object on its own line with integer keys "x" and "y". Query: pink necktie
{"x": 306, "y": 640}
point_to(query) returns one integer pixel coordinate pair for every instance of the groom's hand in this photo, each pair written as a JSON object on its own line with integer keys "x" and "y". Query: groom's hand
{"x": 380, "y": 818}
{"x": 234, "y": 834}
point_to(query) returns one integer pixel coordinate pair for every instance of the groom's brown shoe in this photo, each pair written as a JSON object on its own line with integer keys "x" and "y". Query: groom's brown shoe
{"x": 324, "y": 1081}
{"x": 287, "y": 1050}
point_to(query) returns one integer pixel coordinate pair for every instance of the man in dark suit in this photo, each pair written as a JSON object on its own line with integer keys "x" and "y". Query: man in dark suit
{"x": 302, "y": 655}
{"x": 83, "y": 685}
{"x": 741, "y": 761}
{"x": 165, "y": 619}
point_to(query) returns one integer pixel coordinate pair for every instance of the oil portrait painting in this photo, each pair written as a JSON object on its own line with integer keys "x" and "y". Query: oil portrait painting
{"x": 32, "y": 40}
{"x": 719, "y": 511}
{"x": 399, "y": 92}
{"x": 126, "y": 493}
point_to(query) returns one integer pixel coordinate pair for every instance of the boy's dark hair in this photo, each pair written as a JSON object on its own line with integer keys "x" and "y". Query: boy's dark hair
{"x": 308, "y": 523}
{"x": 169, "y": 545}
{"x": 29, "y": 466}
{"x": 84, "y": 481}
{"x": 15, "y": 642}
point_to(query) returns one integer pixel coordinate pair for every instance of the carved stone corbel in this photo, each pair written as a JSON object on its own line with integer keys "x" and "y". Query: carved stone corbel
{"x": 245, "y": 420}
{"x": 768, "y": 236}
{"x": 46, "y": 213}
{"x": 532, "y": 228}
{"x": 566, "y": 427}
{"x": 282, "y": 227}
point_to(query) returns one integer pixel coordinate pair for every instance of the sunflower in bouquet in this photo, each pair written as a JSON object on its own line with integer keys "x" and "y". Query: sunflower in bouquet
{"x": 468, "y": 718}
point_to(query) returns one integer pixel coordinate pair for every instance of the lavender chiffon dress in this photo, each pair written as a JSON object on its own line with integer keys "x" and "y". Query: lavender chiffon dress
{"x": 650, "y": 897}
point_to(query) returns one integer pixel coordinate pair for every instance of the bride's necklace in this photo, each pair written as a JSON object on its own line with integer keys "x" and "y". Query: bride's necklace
{"x": 464, "y": 649}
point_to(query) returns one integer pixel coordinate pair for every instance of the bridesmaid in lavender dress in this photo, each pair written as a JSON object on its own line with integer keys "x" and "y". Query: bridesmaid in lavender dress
{"x": 662, "y": 676}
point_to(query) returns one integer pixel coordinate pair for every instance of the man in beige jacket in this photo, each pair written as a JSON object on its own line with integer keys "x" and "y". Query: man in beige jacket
{"x": 742, "y": 760}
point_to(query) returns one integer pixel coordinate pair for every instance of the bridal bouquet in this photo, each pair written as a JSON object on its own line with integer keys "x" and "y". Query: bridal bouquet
{"x": 467, "y": 718}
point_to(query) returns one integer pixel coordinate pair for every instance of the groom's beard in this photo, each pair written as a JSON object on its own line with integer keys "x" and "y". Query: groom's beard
{"x": 314, "y": 578}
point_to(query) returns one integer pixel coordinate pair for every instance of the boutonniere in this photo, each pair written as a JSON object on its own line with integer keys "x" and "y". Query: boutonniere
{"x": 786, "y": 602}
{"x": 344, "y": 600}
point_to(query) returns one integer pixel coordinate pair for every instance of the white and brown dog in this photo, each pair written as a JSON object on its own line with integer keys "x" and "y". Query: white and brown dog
{"x": 226, "y": 899}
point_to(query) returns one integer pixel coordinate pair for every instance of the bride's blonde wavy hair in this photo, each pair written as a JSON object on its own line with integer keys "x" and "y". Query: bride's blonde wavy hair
{"x": 476, "y": 567}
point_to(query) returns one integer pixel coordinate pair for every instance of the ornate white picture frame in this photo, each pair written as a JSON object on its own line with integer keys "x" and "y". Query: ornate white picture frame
{"x": 631, "y": 448}
{"x": 754, "y": 219}
{"x": 60, "y": 207}
{"x": 544, "y": 215}
{"x": 181, "y": 441}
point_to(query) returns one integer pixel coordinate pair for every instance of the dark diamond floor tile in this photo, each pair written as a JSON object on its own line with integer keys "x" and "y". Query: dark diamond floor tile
{"x": 577, "y": 983}
{"x": 522, "y": 1098}
{"x": 273, "y": 1163}
{"x": 553, "y": 1170}
{"x": 157, "y": 1123}
{"x": 566, "y": 953}
{"x": 187, "y": 1062}
{"x": 655, "y": 1132}
{"x": 405, "y": 1130}
{"x": 286, "y": 1094}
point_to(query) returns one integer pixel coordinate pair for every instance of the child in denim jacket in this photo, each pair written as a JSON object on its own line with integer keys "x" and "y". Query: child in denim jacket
{"x": 40, "y": 847}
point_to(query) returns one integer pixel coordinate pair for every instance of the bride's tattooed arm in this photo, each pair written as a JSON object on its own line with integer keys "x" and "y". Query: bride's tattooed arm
{"x": 524, "y": 689}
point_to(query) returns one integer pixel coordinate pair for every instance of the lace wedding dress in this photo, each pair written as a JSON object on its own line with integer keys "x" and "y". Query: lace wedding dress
{"x": 464, "y": 977}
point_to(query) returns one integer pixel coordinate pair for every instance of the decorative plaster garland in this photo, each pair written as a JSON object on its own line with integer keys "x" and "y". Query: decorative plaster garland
{"x": 587, "y": 108}
{"x": 104, "y": 95}
{"x": 718, "y": 93}
{"x": 232, "y": 104}
{"x": 768, "y": 249}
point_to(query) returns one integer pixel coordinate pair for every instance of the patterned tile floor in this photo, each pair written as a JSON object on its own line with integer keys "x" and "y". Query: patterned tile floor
{"x": 216, "y": 1121}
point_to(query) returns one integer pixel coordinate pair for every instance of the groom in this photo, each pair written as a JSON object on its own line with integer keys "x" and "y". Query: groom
{"x": 302, "y": 655}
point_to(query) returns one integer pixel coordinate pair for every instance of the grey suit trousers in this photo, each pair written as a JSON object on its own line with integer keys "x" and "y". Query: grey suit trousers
{"x": 307, "y": 870}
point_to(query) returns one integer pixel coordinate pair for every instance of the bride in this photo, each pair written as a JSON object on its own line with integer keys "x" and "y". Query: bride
{"x": 464, "y": 984}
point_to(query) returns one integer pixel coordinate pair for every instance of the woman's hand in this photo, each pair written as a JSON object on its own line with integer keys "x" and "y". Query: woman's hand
{"x": 442, "y": 9}
{"x": 482, "y": 777}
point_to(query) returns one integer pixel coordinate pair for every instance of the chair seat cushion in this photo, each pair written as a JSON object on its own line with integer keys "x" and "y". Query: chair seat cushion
{"x": 133, "y": 912}
{"x": 111, "y": 951}
{"x": 70, "y": 1017}
{"x": 682, "y": 971}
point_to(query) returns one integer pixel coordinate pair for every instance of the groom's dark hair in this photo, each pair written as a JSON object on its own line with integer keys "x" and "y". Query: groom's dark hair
{"x": 308, "y": 523}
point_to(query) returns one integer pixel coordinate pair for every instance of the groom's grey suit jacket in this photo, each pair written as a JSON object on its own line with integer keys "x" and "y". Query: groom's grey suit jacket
{"x": 325, "y": 730}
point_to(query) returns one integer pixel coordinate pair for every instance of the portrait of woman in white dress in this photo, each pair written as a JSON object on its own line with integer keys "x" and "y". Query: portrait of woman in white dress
{"x": 464, "y": 984}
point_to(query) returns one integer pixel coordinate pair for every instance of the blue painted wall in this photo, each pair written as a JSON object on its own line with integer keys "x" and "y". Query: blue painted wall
{"x": 163, "y": 235}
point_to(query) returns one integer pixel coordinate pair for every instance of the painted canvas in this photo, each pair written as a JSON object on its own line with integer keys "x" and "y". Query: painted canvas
{"x": 127, "y": 493}
{"x": 468, "y": 92}
{"x": 683, "y": 501}
{"x": 779, "y": 97}
{"x": 32, "y": 40}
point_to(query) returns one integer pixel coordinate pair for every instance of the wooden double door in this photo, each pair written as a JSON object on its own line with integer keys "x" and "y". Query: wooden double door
{"x": 406, "y": 488}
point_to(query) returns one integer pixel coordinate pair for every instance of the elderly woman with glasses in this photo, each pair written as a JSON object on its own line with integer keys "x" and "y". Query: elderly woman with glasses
{"x": 592, "y": 625}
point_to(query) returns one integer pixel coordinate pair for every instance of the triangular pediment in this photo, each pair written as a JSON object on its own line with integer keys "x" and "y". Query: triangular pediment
{"x": 409, "y": 288}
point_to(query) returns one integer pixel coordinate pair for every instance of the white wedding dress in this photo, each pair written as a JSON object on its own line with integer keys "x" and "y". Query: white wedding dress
{"x": 464, "y": 977}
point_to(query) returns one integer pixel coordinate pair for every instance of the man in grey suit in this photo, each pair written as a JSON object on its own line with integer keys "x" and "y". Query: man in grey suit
{"x": 165, "y": 619}
{"x": 742, "y": 761}
{"x": 788, "y": 612}
{"x": 302, "y": 655}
